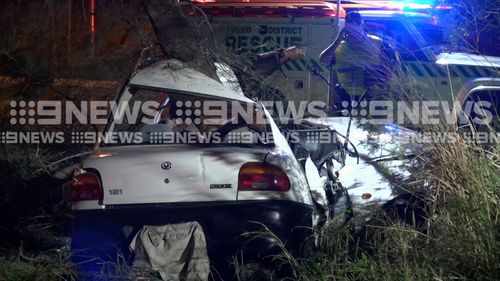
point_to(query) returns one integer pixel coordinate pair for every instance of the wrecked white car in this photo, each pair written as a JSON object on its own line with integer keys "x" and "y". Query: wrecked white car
{"x": 191, "y": 158}
{"x": 177, "y": 180}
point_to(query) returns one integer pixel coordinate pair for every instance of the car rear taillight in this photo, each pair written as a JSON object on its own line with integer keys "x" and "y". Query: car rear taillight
{"x": 257, "y": 176}
{"x": 86, "y": 186}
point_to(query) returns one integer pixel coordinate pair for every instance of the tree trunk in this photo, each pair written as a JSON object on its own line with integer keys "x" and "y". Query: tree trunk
{"x": 178, "y": 37}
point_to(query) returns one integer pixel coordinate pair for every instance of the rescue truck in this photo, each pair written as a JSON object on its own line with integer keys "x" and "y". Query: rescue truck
{"x": 255, "y": 26}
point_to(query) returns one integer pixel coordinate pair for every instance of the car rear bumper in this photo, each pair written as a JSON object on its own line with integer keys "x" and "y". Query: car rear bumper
{"x": 104, "y": 235}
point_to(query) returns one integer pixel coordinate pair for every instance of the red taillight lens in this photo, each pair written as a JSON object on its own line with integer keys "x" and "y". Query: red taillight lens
{"x": 258, "y": 176}
{"x": 86, "y": 186}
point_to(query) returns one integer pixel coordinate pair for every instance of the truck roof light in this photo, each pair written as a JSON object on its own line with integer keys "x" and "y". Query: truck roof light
{"x": 307, "y": 9}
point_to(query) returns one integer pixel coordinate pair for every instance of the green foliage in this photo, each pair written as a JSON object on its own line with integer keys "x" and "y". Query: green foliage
{"x": 473, "y": 24}
{"x": 459, "y": 241}
{"x": 44, "y": 40}
{"x": 50, "y": 266}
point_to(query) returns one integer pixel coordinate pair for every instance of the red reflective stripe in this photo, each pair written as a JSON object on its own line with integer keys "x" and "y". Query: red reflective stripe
{"x": 273, "y": 9}
{"x": 279, "y": 12}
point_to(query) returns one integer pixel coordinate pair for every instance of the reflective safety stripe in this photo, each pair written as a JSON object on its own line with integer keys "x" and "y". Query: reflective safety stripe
{"x": 287, "y": 66}
{"x": 463, "y": 71}
{"x": 317, "y": 65}
{"x": 439, "y": 70}
{"x": 426, "y": 69}
{"x": 482, "y": 71}
{"x": 429, "y": 71}
{"x": 303, "y": 65}
{"x": 296, "y": 65}
{"x": 487, "y": 71}
{"x": 452, "y": 71}
{"x": 350, "y": 69}
{"x": 418, "y": 69}
{"x": 475, "y": 71}
{"x": 415, "y": 69}
{"x": 435, "y": 70}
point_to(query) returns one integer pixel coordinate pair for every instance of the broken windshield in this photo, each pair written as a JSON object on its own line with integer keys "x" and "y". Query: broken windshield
{"x": 150, "y": 116}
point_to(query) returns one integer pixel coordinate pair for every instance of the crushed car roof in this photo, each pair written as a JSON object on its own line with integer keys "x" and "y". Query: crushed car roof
{"x": 175, "y": 75}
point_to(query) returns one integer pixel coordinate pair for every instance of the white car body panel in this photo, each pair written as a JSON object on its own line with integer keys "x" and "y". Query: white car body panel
{"x": 176, "y": 76}
{"x": 137, "y": 172}
{"x": 133, "y": 174}
{"x": 365, "y": 177}
{"x": 136, "y": 175}
{"x": 316, "y": 182}
{"x": 283, "y": 157}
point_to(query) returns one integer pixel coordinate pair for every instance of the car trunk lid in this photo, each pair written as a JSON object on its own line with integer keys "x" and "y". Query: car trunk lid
{"x": 170, "y": 173}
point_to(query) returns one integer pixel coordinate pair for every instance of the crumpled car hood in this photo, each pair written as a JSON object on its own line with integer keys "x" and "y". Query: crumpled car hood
{"x": 385, "y": 161}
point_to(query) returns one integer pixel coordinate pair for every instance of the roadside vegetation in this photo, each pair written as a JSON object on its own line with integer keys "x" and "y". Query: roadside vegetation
{"x": 460, "y": 240}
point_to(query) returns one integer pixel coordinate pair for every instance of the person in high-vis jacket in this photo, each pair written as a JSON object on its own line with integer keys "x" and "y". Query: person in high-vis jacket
{"x": 362, "y": 62}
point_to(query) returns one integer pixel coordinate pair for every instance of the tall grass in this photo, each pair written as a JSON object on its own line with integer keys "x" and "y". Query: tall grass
{"x": 460, "y": 239}
{"x": 465, "y": 226}
{"x": 49, "y": 266}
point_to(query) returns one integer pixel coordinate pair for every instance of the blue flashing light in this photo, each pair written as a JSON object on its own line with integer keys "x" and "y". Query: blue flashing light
{"x": 412, "y": 5}
{"x": 393, "y": 128}
{"x": 390, "y": 127}
{"x": 418, "y": 6}
{"x": 418, "y": 2}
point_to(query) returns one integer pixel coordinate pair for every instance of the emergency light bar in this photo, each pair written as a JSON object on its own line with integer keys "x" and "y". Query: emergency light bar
{"x": 276, "y": 8}
{"x": 391, "y": 5}
{"x": 257, "y": 1}
{"x": 347, "y": 5}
